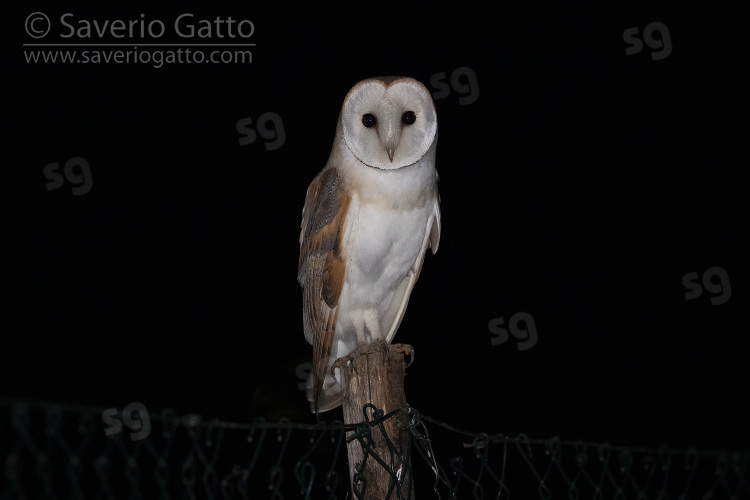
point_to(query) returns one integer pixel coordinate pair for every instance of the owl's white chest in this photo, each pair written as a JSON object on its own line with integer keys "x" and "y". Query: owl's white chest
{"x": 389, "y": 218}
{"x": 382, "y": 249}
{"x": 383, "y": 246}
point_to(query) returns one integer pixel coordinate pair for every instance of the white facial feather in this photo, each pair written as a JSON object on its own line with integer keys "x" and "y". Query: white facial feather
{"x": 393, "y": 141}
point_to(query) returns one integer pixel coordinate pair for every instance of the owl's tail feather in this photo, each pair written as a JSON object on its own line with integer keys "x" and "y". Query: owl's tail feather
{"x": 322, "y": 345}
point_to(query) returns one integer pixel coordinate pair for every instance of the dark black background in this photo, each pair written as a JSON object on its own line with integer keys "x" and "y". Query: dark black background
{"x": 580, "y": 187}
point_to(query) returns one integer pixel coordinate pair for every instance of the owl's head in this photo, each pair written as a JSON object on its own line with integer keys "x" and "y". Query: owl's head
{"x": 389, "y": 122}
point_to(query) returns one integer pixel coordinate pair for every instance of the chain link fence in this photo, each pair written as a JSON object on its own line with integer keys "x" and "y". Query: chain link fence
{"x": 55, "y": 451}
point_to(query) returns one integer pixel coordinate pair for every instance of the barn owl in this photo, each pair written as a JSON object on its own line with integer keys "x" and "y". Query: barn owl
{"x": 368, "y": 219}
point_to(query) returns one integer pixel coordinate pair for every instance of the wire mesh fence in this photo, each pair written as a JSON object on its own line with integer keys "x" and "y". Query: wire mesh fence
{"x": 68, "y": 452}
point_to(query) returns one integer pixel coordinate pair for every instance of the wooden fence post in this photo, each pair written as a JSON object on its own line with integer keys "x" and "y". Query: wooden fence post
{"x": 374, "y": 374}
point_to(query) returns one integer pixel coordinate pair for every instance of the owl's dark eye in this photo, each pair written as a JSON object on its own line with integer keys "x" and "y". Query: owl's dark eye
{"x": 408, "y": 118}
{"x": 368, "y": 120}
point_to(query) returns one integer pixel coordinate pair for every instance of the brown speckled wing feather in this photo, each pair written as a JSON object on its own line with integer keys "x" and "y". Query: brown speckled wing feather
{"x": 322, "y": 267}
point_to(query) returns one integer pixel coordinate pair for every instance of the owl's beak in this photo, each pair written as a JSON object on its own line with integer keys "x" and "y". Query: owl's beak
{"x": 392, "y": 138}
{"x": 390, "y": 152}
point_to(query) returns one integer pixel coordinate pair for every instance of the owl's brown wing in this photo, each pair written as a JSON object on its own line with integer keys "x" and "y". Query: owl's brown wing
{"x": 322, "y": 267}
